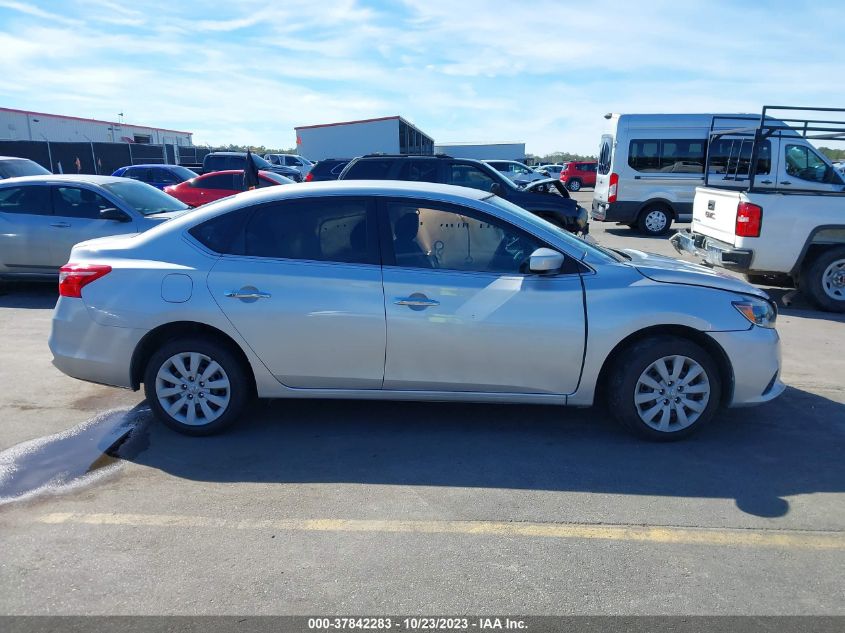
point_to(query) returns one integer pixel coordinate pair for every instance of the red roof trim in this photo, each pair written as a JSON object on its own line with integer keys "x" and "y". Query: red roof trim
{"x": 382, "y": 118}
{"x": 77, "y": 118}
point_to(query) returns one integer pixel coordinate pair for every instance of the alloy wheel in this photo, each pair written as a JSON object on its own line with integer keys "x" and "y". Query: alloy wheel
{"x": 833, "y": 280}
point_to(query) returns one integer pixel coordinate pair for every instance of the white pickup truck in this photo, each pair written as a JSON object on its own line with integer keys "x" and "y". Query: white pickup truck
{"x": 782, "y": 222}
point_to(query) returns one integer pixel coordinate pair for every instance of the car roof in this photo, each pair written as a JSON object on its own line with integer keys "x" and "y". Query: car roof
{"x": 15, "y": 158}
{"x": 228, "y": 154}
{"x": 150, "y": 165}
{"x": 90, "y": 179}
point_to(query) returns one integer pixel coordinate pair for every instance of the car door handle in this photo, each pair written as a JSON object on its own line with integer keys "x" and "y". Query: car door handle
{"x": 416, "y": 301}
{"x": 785, "y": 182}
{"x": 248, "y": 294}
{"x": 61, "y": 225}
{"x": 766, "y": 182}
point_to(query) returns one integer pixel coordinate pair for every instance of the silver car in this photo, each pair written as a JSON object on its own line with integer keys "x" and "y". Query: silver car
{"x": 42, "y": 217}
{"x": 406, "y": 291}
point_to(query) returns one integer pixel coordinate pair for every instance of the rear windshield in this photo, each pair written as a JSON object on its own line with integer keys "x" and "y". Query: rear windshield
{"x": 144, "y": 198}
{"x": 25, "y": 167}
{"x": 605, "y": 155}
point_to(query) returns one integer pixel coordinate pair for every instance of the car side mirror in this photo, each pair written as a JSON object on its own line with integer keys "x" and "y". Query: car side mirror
{"x": 114, "y": 214}
{"x": 545, "y": 260}
{"x": 496, "y": 189}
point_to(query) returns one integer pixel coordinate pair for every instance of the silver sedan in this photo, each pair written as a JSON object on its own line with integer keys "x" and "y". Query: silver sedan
{"x": 406, "y": 291}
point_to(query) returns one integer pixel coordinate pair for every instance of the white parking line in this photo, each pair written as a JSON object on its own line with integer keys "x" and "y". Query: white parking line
{"x": 785, "y": 539}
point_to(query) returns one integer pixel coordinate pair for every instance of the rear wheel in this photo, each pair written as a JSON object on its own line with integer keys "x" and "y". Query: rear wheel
{"x": 655, "y": 220}
{"x": 824, "y": 280}
{"x": 574, "y": 184}
{"x": 664, "y": 388}
{"x": 196, "y": 386}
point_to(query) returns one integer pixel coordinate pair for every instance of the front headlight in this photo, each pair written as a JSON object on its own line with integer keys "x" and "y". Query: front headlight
{"x": 758, "y": 311}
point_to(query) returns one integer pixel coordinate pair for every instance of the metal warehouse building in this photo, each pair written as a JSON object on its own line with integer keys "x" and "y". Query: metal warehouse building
{"x": 23, "y": 125}
{"x": 483, "y": 151}
{"x": 385, "y": 135}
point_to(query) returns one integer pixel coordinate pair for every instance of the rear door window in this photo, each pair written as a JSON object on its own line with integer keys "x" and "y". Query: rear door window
{"x": 605, "y": 154}
{"x": 328, "y": 230}
{"x": 733, "y": 157}
{"x": 468, "y": 176}
{"x": 369, "y": 170}
{"x": 419, "y": 171}
{"x": 33, "y": 200}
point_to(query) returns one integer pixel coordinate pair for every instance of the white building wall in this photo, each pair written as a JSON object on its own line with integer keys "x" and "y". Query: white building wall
{"x": 25, "y": 126}
{"x": 483, "y": 151}
{"x": 348, "y": 140}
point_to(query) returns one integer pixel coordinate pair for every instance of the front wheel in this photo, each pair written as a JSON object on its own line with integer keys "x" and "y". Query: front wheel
{"x": 824, "y": 280}
{"x": 196, "y": 386}
{"x": 664, "y": 388}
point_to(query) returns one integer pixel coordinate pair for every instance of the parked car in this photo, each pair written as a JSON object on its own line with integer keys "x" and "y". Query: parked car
{"x": 552, "y": 170}
{"x": 785, "y": 226}
{"x": 466, "y": 172}
{"x": 518, "y": 172}
{"x": 579, "y": 174}
{"x": 13, "y": 167}
{"x": 159, "y": 176}
{"x": 226, "y": 161}
{"x": 299, "y": 163}
{"x": 42, "y": 217}
{"x": 326, "y": 169}
{"x": 426, "y": 292}
{"x": 650, "y": 165}
{"x": 219, "y": 184}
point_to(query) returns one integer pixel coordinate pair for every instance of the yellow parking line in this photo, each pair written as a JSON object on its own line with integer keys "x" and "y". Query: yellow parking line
{"x": 651, "y": 534}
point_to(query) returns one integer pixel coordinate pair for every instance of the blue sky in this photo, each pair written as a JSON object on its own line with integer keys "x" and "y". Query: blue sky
{"x": 543, "y": 72}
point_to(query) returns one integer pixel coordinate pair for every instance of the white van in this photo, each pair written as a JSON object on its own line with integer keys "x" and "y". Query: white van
{"x": 650, "y": 164}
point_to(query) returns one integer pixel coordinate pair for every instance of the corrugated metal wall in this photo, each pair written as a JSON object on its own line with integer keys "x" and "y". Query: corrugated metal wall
{"x": 348, "y": 140}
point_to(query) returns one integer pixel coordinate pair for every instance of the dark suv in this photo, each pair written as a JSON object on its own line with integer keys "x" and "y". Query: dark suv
{"x": 224, "y": 161}
{"x": 558, "y": 208}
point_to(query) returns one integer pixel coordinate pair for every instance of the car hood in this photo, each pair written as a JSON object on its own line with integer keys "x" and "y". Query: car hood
{"x": 675, "y": 271}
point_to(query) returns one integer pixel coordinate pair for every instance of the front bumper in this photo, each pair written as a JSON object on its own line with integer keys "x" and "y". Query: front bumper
{"x": 84, "y": 349}
{"x": 713, "y": 252}
{"x": 755, "y": 359}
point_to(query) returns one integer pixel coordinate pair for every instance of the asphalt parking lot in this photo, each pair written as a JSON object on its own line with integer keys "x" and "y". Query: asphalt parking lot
{"x": 363, "y": 508}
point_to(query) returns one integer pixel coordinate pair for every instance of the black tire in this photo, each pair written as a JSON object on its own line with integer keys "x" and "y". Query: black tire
{"x": 632, "y": 363}
{"x": 239, "y": 389}
{"x": 821, "y": 291}
{"x": 574, "y": 184}
{"x": 649, "y": 225}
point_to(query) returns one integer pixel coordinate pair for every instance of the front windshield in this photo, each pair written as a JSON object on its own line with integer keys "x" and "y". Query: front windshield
{"x": 144, "y": 198}
{"x": 575, "y": 242}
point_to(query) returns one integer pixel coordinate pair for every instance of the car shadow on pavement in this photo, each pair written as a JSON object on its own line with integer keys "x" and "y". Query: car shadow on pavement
{"x": 754, "y": 456}
{"x": 28, "y": 295}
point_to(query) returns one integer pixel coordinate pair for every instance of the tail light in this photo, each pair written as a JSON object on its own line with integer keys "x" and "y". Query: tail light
{"x": 309, "y": 177}
{"x": 613, "y": 188}
{"x": 749, "y": 218}
{"x": 74, "y": 277}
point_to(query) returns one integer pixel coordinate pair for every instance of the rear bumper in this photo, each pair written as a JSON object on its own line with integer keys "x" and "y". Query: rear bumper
{"x": 84, "y": 349}
{"x": 713, "y": 252}
{"x": 615, "y": 211}
{"x": 755, "y": 359}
